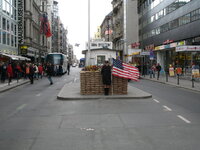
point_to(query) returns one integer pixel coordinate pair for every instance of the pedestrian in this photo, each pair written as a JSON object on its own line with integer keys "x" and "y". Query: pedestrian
{"x": 158, "y": 68}
{"x": 31, "y": 73}
{"x": 153, "y": 71}
{"x": 106, "y": 77}
{"x": 40, "y": 71}
{"x": 3, "y": 72}
{"x": 50, "y": 71}
{"x": 35, "y": 67}
{"x": 68, "y": 68}
{"x": 10, "y": 73}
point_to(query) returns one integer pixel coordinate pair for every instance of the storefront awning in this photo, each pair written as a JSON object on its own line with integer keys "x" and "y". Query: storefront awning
{"x": 188, "y": 48}
{"x": 15, "y": 57}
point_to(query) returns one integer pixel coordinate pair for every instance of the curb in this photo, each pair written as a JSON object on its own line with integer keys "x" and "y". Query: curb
{"x": 193, "y": 89}
{"x": 9, "y": 87}
{"x": 102, "y": 97}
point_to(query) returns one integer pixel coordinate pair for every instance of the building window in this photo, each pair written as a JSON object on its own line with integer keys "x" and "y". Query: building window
{"x": 174, "y": 24}
{"x": 184, "y": 19}
{"x": 4, "y": 37}
{"x": 0, "y": 36}
{"x": 8, "y": 39}
{"x": 12, "y": 40}
{"x": 8, "y": 25}
{"x": 101, "y": 59}
{"x": 4, "y": 23}
{"x": 195, "y": 15}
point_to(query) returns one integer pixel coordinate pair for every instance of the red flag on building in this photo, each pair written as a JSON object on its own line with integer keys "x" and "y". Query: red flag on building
{"x": 45, "y": 26}
{"x": 124, "y": 70}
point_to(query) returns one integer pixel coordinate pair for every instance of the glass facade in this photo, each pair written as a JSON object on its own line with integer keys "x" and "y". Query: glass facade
{"x": 8, "y": 24}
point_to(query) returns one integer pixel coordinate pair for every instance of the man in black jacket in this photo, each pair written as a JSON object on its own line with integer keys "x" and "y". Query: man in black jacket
{"x": 50, "y": 72}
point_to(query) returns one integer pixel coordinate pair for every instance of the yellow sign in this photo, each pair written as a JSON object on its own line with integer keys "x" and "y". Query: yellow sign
{"x": 24, "y": 47}
{"x": 195, "y": 73}
{"x": 171, "y": 71}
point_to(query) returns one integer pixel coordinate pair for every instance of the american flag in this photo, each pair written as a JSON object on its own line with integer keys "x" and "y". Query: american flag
{"x": 124, "y": 70}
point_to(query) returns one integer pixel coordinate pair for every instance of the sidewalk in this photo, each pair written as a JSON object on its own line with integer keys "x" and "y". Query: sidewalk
{"x": 72, "y": 92}
{"x": 4, "y": 86}
{"x": 183, "y": 83}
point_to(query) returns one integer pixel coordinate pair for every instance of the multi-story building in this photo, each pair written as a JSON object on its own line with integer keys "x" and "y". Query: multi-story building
{"x": 70, "y": 53}
{"x": 170, "y": 28}
{"x": 106, "y": 28}
{"x": 32, "y": 43}
{"x": 125, "y": 26}
{"x": 9, "y": 27}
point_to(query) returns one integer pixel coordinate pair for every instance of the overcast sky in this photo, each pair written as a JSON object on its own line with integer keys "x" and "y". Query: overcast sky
{"x": 74, "y": 16}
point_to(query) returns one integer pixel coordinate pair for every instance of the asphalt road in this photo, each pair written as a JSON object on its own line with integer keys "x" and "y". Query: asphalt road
{"x": 31, "y": 118}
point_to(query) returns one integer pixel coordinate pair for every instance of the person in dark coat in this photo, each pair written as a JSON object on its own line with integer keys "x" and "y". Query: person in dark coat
{"x": 158, "y": 68}
{"x": 31, "y": 73}
{"x": 50, "y": 72}
{"x": 106, "y": 77}
{"x": 68, "y": 68}
{"x": 3, "y": 72}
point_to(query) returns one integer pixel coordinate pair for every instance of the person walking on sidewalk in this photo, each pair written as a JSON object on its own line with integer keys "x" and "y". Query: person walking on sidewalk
{"x": 40, "y": 71}
{"x": 31, "y": 73}
{"x": 10, "y": 73}
{"x": 50, "y": 71}
{"x": 3, "y": 72}
{"x": 158, "y": 68}
{"x": 68, "y": 68}
{"x": 106, "y": 77}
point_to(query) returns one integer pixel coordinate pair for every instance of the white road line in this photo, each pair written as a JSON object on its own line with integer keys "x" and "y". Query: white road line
{"x": 21, "y": 107}
{"x": 38, "y": 94}
{"x": 156, "y": 101}
{"x": 65, "y": 79}
{"x": 184, "y": 119}
{"x": 167, "y": 108}
{"x": 75, "y": 79}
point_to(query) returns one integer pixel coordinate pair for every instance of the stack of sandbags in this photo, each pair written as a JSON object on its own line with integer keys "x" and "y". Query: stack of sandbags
{"x": 120, "y": 85}
{"x": 91, "y": 82}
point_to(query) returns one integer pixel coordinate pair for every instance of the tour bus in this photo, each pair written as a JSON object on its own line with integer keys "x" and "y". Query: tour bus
{"x": 59, "y": 61}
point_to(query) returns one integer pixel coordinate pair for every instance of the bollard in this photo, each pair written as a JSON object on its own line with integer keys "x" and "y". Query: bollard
{"x": 178, "y": 79}
{"x": 166, "y": 76}
{"x": 17, "y": 77}
{"x": 192, "y": 81}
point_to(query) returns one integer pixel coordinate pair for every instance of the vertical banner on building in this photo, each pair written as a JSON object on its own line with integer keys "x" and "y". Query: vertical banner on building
{"x": 21, "y": 21}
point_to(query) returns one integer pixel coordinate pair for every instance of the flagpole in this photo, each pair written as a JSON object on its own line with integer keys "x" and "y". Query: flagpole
{"x": 89, "y": 55}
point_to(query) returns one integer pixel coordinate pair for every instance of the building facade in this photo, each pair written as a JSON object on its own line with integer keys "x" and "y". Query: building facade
{"x": 106, "y": 28}
{"x": 125, "y": 26}
{"x": 9, "y": 27}
{"x": 166, "y": 27}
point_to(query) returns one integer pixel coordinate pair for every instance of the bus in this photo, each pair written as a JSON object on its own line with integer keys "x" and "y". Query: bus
{"x": 59, "y": 61}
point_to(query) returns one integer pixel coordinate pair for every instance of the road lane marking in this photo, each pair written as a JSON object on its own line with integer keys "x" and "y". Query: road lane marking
{"x": 75, "y": 79}
{"x": 167, "y": 108}
{"x": 21, "y": 107}
{"x": 38, "y": 94}
{"x": 156, "y": 101}
{"x": 184, "y": 119}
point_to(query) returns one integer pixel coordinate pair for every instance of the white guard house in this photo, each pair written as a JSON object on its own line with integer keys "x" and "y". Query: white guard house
{"x": 99, "y": 55}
